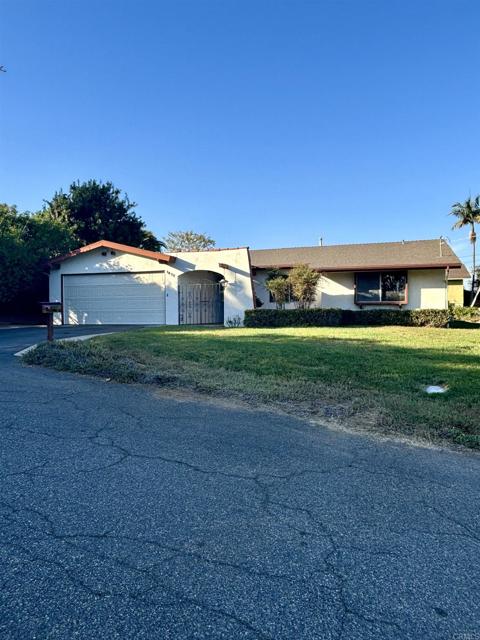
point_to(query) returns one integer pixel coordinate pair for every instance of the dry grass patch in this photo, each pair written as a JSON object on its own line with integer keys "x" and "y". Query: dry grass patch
{"x": 364, "y": 377}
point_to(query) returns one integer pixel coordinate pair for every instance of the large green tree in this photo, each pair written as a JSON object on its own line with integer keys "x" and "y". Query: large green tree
{"x": 468, "y": 214}
{"x": 27, "y": 241}
{"x": 97, "y": 210}
{"x": 187, "y": 241}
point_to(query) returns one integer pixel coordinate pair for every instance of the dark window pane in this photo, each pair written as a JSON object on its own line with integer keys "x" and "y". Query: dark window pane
{"x": 291, "y": 295}
{"x": 368, "y": 287}
{"x": 393, "y": 286}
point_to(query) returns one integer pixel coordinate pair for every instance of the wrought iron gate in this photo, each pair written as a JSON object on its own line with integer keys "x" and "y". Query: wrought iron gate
{"x": 200, "y": 304}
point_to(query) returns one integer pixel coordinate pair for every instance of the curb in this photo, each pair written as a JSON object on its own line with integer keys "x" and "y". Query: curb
{"x": 19, "y": 354}
{"x": 6, "y": 327}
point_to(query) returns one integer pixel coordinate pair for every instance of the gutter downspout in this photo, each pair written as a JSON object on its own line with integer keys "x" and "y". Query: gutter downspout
{"x": 447, "y": 273}
{"x": 254, "y": 297}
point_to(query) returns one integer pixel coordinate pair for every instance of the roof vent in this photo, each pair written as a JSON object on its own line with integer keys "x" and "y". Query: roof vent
{"x": 441, "y": 246}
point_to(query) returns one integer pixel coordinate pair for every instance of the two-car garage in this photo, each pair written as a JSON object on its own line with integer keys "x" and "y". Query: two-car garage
{"x": 114, "y": 298}
{"x": 110, "y": 283}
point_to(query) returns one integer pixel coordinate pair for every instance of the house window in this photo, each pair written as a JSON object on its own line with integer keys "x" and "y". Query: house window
{"x": 381, "y": 287}
{"x": 290, "y": 296}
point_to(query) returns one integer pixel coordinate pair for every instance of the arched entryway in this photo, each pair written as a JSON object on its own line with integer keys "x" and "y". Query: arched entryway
{"x": 200, "y": 298}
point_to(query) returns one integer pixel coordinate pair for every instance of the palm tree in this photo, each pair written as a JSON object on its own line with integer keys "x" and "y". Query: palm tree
{"x": 468, "y": 213}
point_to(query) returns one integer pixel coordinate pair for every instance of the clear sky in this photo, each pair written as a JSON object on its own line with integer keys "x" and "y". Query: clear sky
{"x": 260, "y": 122}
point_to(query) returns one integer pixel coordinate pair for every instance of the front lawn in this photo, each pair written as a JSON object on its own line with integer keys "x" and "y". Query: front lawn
{"x": 363, "y": 377}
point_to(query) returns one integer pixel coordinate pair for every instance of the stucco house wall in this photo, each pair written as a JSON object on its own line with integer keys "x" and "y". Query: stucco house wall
{"x": 337, "y": 290}
{"x": 235, "y": 271}
{"x": 426, "y": 290}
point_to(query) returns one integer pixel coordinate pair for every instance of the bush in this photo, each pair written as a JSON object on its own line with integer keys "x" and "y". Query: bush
{"x": 303, "y": 281}
{"x": 233, "y": 322}
{"x": 401, "y": 317}
{"x": 279, "y": 288}
{"x": 344, "y": 317}
{"x": 471, "y": 314}
{"x": 293, "y": 318}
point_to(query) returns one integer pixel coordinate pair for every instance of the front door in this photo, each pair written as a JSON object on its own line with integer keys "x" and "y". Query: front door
{"x": 200, "y": 303}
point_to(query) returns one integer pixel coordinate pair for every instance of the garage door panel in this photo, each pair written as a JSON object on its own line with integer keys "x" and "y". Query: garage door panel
{"x": 126, "y": 298}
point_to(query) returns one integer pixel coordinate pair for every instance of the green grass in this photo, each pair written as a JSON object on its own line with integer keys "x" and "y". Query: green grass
{"x": 367, "y": 378}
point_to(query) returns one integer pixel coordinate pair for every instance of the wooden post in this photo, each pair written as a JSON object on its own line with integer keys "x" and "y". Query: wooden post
{"x": 49, "y": 308}
{"x": 50, "y": 327}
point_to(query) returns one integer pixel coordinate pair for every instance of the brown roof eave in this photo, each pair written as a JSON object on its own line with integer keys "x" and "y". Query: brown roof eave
{"x": 396, "y": 267}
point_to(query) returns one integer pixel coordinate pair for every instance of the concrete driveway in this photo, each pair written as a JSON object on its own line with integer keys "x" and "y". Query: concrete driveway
{"x": 127, "y": 515}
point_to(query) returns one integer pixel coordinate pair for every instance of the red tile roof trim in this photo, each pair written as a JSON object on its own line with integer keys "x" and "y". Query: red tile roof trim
{"x": 115, "y": 246}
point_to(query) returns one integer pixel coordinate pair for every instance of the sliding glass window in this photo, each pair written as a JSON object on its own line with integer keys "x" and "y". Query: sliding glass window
{"x": 381, "y": 287}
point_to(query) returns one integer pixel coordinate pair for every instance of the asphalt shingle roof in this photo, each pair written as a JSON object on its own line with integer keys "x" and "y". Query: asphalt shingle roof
{"x": 344, "y": 257}
{"x": 459, "y": 274}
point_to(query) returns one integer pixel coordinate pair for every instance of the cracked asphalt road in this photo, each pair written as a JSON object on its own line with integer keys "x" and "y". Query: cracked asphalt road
{"x": 127, "y": 515}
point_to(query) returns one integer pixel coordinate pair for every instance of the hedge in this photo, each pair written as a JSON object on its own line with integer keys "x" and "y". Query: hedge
{"x": 403, "y": 317}
{"x": 345, "y": 317}
{"x": 293, "y": 318}
{"x": 471, "y": 314}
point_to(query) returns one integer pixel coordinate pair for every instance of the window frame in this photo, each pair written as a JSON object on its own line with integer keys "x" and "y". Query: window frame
{"x": 291, "y": 298}
{"x": 395, "y": 303}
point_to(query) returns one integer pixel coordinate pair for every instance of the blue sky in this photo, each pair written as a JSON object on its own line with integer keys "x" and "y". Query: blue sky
{"x": 263, "y": 123}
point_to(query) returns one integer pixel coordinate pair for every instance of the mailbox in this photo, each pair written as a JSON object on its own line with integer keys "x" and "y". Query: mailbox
{"x": 51, "y": 307}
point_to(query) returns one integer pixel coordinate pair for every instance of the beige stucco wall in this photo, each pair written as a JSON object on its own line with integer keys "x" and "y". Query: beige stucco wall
{"x": 238, "y": 294}
{"x": 336, "y": 290}
{"x": 426, "y": 290}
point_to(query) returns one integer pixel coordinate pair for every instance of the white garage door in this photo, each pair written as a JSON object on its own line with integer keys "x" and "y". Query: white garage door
{"x": 114, "y": 298}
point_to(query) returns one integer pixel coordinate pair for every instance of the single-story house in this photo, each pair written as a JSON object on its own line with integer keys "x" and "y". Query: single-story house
{"x": 110, "y": 283}
{"x": 418, "y": 274}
